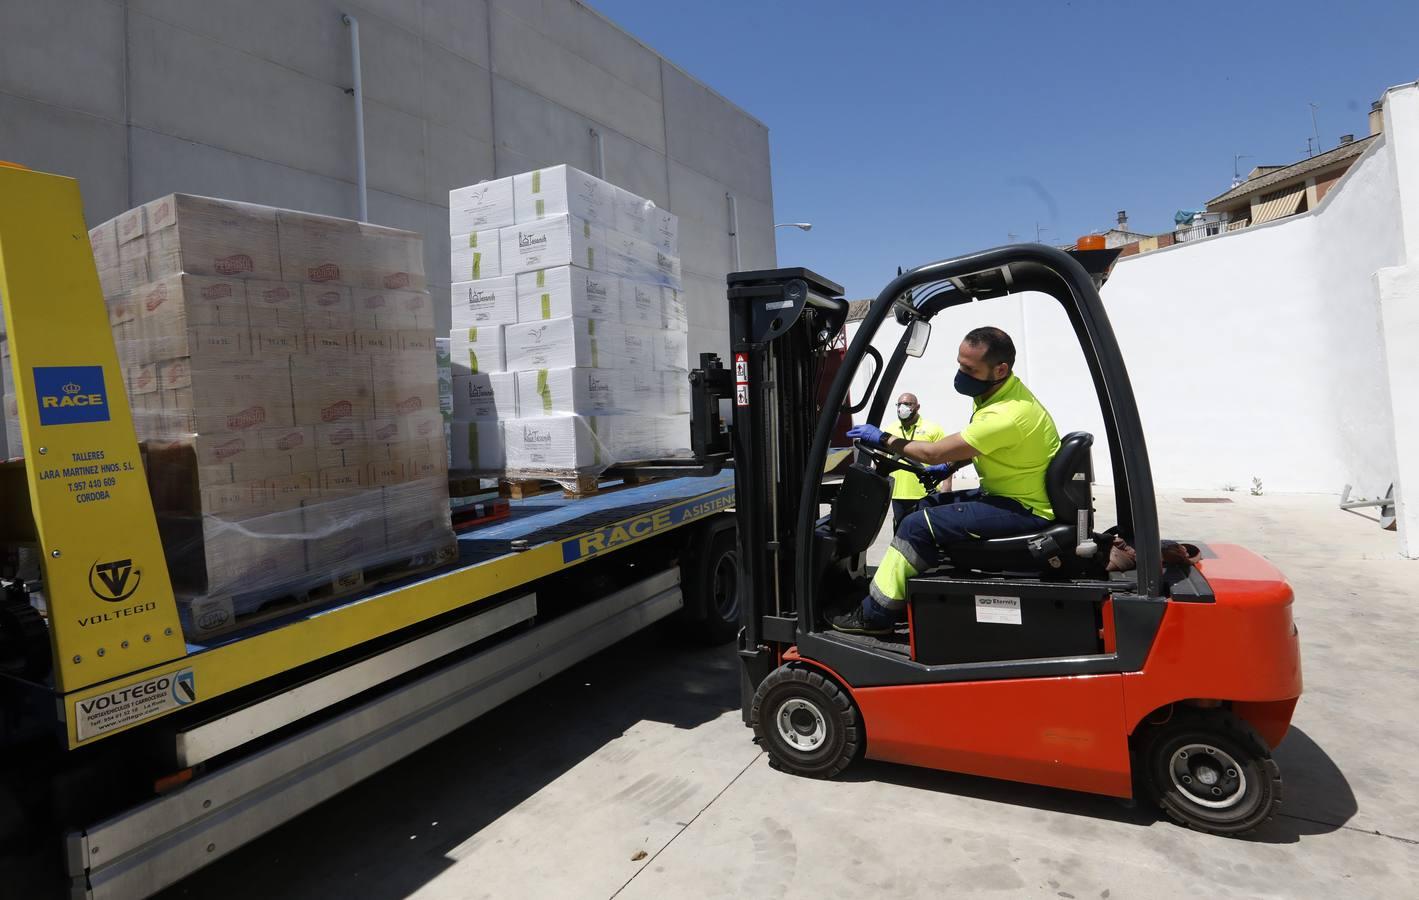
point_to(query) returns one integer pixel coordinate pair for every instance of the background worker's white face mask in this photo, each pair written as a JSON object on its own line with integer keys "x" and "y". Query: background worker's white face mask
{"x": 904, "y": 411}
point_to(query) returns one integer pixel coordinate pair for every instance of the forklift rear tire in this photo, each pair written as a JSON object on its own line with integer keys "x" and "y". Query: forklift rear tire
{"x": 1212, "y": 772}
{"x": 806, "y": 723}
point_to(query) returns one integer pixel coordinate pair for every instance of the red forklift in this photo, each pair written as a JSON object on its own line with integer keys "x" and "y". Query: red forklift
{"x": 1022, "y": 657}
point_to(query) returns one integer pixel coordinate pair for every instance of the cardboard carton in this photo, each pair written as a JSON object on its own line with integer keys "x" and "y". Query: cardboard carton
{"x": 640, "y": 346}
{"x": 485, "y": 205}
{"x": 558, "y": 444}
{"x": 275, "y": 304}
{"x": 488, "y": 396}
{"x": 641, "y": 304}
{"x": 474, "y": 255}
{"x": 476, "y": 445}
{"x": 673, "y": 314}
{"x": 556, "y": 241}
{"x": 565, "y": 342}
{"x": 330, "y": 390}
{"x": 477, "y": 350}
{"x": 207, "y": 236}
{"x": 588, "y": 392}
{"x": 672, "y": 351}
{"x": 490, "y": 301}
{"x": 327, "y": 307}
{"x": 568, "y": 291}
{"x": 562, "y": 190}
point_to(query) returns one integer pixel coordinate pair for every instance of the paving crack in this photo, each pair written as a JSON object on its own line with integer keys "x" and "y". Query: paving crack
{"x": 1370, "y": 831}
{"x": 646, "y": 864}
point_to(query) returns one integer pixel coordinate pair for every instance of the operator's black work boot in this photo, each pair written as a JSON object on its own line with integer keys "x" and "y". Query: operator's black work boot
{"x": 857, "y": 621}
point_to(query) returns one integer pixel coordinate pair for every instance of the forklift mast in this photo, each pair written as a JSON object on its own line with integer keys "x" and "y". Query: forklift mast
{"x": 782, "y": 323}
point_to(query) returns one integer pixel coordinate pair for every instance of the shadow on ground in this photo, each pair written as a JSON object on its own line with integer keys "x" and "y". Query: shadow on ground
{"x": 1317, "y": 798}
{"x": 378, "y": 840}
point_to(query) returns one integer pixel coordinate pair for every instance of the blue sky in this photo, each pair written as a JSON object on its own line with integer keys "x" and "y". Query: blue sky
{"x": 913, "y": 131}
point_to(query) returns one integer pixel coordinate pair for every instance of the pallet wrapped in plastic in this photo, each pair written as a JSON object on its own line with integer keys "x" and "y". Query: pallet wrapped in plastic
{"x": 597, "y": 287}
{"x": 288, "y": 395}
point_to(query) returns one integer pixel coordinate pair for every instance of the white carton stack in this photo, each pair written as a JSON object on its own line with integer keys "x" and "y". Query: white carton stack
{"x": 569, "y": 331}
{"x": 281, "y": 367}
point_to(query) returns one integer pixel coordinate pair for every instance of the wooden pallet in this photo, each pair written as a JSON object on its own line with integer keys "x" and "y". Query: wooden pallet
{"x": 303, "y": 594}
{"x": 584, "y": 486}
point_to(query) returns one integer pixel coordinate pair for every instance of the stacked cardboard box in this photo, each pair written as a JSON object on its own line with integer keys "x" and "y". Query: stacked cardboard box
{"x": 281, "y": 367}
{"x": 569, "y": 347}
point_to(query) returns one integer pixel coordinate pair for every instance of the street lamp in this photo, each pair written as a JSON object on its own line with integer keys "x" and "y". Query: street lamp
{"x": 801, "y": 226}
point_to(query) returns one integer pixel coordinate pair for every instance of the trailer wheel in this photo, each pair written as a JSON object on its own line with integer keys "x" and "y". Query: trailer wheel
{"x": 709, "y": 580}
{"x": 806, "y": 723}
{"x": 1212, "y": 773}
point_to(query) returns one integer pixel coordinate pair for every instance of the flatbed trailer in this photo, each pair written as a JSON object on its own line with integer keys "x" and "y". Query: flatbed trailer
{"x": 134, "y": 755}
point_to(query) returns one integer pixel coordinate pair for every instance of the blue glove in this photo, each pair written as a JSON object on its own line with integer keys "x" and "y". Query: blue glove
{"x": 942, "y": 471}
{"x": 870, "y": 435}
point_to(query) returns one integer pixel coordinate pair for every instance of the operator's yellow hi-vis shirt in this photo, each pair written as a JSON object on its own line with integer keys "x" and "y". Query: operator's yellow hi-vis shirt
{"x": 906, "y": 485}
{"x": 1016, "y": 440}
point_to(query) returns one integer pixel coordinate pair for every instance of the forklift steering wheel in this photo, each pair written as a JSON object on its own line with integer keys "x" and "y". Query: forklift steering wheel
{"x": 889, "y": 461}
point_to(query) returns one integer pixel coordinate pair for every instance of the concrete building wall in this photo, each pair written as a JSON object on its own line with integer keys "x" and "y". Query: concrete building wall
{"x": 1284, "y": 352}
{"x": 248, "y": 101}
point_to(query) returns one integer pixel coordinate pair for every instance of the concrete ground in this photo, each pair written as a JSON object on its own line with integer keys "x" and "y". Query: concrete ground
{"x": 631, "y": 776}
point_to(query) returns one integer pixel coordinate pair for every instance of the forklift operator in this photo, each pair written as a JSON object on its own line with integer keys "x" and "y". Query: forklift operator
{"x": 1010, "y": 439}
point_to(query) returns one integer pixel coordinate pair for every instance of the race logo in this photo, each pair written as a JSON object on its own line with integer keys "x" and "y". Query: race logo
{"x": 330, "y": 298}
{"x": 396, "y": 281}
{"x": 409, "y": 405}
{"x": 114, "y": 581}
{"x": 70, "y": 394}
{"x": 219, "y": 291}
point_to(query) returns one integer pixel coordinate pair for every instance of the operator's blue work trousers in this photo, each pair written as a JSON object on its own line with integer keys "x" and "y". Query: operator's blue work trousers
{"x": 940, "y": 519}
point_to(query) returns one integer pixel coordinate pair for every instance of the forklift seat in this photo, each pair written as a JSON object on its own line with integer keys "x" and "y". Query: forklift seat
{"x": 1068, "y": 482}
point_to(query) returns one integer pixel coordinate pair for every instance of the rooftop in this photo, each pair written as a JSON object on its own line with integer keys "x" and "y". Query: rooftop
{"x": 1278, "y": 175}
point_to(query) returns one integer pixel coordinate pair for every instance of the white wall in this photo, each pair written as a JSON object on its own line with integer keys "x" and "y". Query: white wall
{"x": 1265, "y": 353}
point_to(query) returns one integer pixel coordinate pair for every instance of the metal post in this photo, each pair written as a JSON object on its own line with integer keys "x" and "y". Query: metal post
{"x": 598, "y": 144}
{"x": 733, "y": 230}
{"x": 359, "y": 92}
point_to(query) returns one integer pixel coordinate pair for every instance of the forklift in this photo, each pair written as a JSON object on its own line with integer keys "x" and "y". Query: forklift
{"x": 1022, "y": 657}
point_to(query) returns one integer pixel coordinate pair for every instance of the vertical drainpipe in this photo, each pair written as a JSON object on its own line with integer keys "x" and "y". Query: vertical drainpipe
{"x": 599, "y": 145}
{"x": 359, "y": 92}
{"x": 733, "y": 230}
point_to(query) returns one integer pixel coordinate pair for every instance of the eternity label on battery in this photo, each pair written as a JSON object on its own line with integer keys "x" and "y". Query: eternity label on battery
{"x": 133, "y": 703}
{"x": 998, "y": 610}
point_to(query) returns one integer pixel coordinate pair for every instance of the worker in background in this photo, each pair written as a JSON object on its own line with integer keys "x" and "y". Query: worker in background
{"x": 1010, "y": 439}
{"x": 907, "y": 489}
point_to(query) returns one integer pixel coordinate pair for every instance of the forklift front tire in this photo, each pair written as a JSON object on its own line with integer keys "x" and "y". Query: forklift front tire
{"x": 1212, "y": 773}
{"x": 807, "y": 723}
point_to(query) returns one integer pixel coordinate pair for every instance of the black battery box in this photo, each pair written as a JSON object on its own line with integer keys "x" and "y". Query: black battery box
{"x": 956, "y": 621}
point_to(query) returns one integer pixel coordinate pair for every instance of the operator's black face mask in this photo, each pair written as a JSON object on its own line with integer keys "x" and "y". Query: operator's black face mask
{"x": 971, "y": 386}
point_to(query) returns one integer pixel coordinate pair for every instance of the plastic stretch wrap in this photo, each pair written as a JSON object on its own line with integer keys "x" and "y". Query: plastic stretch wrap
{"x": 11, "y": 409}
{"x": 281, "y": 368}
{"x": 584, "y": 368}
